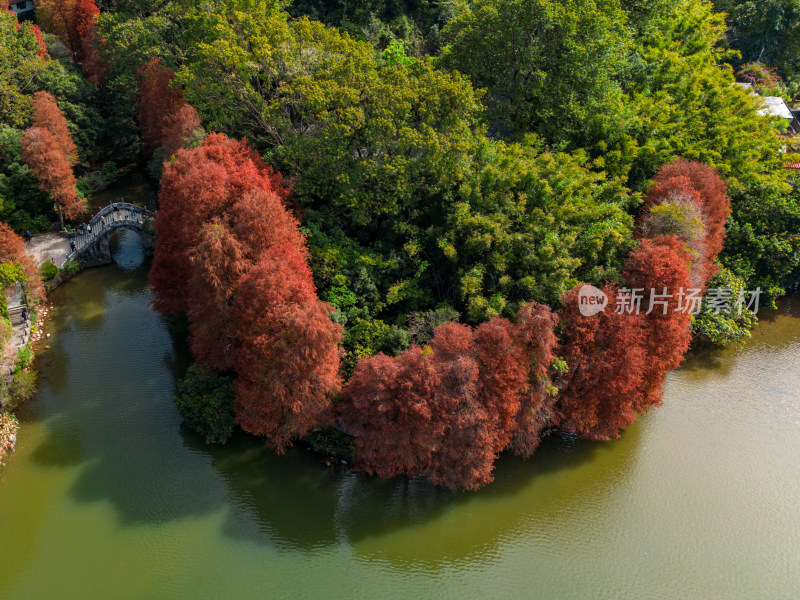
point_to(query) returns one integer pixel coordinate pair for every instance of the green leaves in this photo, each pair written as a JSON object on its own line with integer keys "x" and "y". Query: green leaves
{"x": 531, "y": 226}
{"x": 205, "y": 401}
{"x": 549, "y": 66}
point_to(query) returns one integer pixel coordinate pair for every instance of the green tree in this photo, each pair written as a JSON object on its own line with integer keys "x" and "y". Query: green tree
{"x": 731, "y": 326}
{"x": 550, "y": 66}
{"x": 205, "y": 401}
{"x": 530, "y": 226}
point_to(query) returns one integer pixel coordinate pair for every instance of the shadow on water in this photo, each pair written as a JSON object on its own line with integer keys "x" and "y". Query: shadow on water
{"x": 61, "y": 448}
{"x": 294, "y": 501}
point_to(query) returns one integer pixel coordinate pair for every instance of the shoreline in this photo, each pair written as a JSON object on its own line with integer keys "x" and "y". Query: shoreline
{"x": 9, "y": 424}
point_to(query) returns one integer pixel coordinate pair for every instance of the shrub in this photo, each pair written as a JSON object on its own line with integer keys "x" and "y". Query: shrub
{"x": 22, "y": 388}
{"x": 48, "y": 271}
{"x": 71, "y": 267}
{"x": 205, "y": 401}
{"x": 24, "y": 357}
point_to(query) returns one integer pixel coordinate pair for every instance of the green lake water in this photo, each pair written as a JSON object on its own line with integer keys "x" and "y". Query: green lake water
{"x": 107, "y": 496}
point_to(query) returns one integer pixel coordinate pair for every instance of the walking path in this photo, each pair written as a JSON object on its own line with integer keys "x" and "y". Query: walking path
{"x": 49, "y": 246}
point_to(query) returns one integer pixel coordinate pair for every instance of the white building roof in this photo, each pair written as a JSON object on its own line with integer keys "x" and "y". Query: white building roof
{"x": 775, "y": 106}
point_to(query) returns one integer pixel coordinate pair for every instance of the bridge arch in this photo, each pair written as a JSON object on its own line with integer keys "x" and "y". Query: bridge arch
{"x": 93, "y": 242}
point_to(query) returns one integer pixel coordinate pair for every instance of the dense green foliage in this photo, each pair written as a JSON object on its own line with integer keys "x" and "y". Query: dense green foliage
{"x": 205, "y": 401}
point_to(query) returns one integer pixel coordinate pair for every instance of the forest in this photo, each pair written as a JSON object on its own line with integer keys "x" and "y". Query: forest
{"x": 374, "y": 218}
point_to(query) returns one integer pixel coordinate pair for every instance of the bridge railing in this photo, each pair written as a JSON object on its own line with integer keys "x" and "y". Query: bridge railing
{"x": 122, "y": 213}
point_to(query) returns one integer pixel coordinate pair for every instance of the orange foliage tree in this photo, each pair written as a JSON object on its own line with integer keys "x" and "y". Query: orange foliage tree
{"x": 607, "y": 361}
{"x": 12, "y": 249}
{"x": 619, "y": 359}
{"x": 535, "y": 333}
{"x": 447, "y": 410}
{"x": 53, "y": 172}
{"x": 693, "y": 185}
{"x": 37, "y": 33}
{"x": 82, "y": 22}
{"x": 287, "y": 349}
{"x": 232, "y": 257}
{"x": 180, "y": 127}
{"x": 659, "y": 267}
{"x": 201, "y": 184}
{"x": 48, "y": 149}
{"x": 159, "y": 104}
{"x": 47, "y": 115}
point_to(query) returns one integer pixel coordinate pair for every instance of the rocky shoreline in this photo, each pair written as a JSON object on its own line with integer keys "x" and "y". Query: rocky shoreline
{"x": 8, "y": 434}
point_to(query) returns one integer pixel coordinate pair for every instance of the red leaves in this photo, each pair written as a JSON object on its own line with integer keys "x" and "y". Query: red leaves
{"x": 198, "y": 186}
{"x": 446, "y": 411}
{"x": 660, "y": 265}
{"x": 232, "y": 257}
{"x": 687, "y": 178}
{"x": 159, "y": 105}
{"x": 618, "y": 361}
{"x": 606, "y": 356}
{"x": 179, "y": 128}
{"x": 47, "y": 115}
{"x": 84, "y": 14}
{"x": 535, "y": 333}
{"x": 287, "y": 356}
{"x": 12, "y": 249}
{"x": 37, "y": 33}
{"x": 48, "y": 149}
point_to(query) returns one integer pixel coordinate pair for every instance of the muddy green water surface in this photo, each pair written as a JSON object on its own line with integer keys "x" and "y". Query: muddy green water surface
{"x": 108, "y": 497}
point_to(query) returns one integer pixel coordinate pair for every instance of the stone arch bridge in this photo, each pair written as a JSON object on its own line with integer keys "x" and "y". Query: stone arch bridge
{"x": 93, "y": 243}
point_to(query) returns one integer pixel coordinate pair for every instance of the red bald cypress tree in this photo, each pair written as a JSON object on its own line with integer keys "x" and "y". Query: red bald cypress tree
{"x": 422, "y": 414}
{"x": 179, "y": 128}
{"x": 232, "y": 257}
{"x": 48, "y": 149}
{"x": 287, "y": 349}
{"x": 12, "y": 249}
{"x": 82, "y": 22}
{"x": 47, "y": 115}
{"x": 199, "y": 185}
{"x": 535, "y": 334}
{"x": 659, "y": 267}
{"x": 40, "y": 151}
{"x": 394, "y": 410}
{"x": 446, "y": 411}
{"x": 692, "y": 178}
{"x": 158, "y": 103}
{"x": 217, "y": 264}
{"x": 607, "y": 358}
